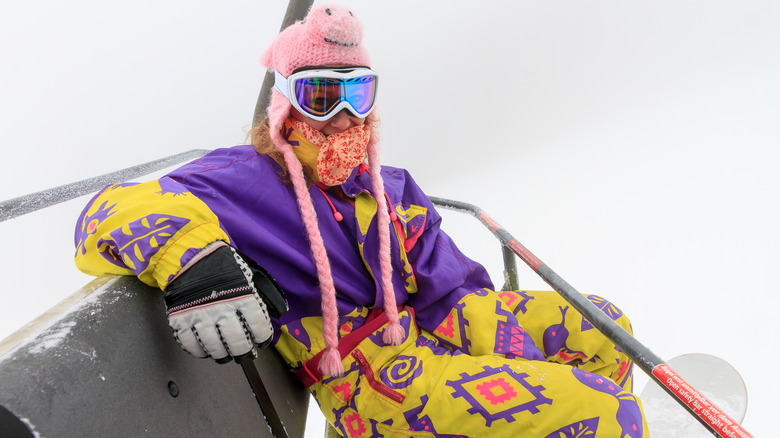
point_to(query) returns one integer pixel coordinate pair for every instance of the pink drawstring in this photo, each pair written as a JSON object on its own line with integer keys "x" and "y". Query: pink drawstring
{"x": 393, "y": 216}
{"x": 336, "y": 214}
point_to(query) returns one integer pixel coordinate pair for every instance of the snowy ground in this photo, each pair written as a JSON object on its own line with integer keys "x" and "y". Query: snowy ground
{"x": 631, "y": 147}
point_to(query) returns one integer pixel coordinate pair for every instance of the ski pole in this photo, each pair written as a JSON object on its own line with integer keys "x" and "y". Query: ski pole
{"x": 36, "y": 201}
{"x": 247, "y": 363}
{"x": 709, "y": 415}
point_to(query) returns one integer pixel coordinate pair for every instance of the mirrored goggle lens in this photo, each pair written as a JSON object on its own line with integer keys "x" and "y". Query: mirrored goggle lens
{"x": 319, "y": 96}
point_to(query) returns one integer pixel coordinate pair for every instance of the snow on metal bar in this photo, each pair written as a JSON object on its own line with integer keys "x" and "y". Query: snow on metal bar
{"x": 36, "y": 201}
{"x": 40, "y": 334}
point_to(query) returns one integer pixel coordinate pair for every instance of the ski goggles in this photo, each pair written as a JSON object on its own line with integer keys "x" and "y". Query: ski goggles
{"x": 321, "y": 93}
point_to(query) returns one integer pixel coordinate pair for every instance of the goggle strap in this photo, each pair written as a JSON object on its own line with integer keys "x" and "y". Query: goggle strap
{"x": 280, "y": 83}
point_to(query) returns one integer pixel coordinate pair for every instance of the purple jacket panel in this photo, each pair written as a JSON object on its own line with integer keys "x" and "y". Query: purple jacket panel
{"x": 260, "y": 214}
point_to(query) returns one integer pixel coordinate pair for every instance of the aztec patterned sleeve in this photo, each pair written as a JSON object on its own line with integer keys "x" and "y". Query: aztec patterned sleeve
{"x": 149, "y": 230}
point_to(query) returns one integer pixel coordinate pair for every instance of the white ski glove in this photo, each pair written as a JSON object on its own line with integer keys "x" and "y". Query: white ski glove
{"x": 219, "y": 305}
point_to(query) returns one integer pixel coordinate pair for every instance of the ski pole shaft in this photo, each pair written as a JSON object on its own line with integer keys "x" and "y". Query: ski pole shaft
{"x": 263, "y": 398}
{"x": 709, "y": 415}
{"x": 36, "y": 201}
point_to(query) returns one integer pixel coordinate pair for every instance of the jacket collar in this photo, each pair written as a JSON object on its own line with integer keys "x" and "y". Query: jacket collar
{"x": 358, "y": 181}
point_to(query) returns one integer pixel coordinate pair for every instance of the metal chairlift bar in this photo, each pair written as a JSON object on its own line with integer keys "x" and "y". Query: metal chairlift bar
{"x": 296, "y": 10}
{"x": 510, "y": 262}
{"x": 680, "y": 390}
{"x": 510, "y": 269}
{"x": 36, "y": 201}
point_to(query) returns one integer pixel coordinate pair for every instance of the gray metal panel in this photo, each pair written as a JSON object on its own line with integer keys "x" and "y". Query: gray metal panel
{"x": 104, "y": 367}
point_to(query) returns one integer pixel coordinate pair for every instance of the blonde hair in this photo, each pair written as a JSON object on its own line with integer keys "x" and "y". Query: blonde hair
{"x": 259, "y": 136}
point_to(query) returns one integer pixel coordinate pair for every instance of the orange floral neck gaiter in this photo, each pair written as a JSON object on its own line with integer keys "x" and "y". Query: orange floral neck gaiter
{"x": 338, "y": 153}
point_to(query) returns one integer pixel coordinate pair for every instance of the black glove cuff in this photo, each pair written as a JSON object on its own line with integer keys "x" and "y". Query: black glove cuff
{"x": 216, "y": 276}
{"x": 219, "y": 276}
{"x": 266, "y": 286}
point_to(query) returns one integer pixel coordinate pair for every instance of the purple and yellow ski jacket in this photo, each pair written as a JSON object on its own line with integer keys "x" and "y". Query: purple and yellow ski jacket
{"x": 152, "y": 229}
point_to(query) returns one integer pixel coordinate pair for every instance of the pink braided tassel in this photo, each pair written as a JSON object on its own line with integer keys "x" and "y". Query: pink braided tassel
{"x": 331, "y": 360}
{"x": 394, "y": 333}
{"x": 330, "y": 363}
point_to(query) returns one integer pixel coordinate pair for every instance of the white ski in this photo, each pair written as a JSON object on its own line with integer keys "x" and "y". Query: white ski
{"x": 713, "y": 377}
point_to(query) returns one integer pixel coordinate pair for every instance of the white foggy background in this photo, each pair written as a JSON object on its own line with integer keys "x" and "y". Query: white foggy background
{"x": 631, "y": 147}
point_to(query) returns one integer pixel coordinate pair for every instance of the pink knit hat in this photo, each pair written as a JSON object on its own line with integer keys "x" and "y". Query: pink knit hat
{"x": 329, "y": 35}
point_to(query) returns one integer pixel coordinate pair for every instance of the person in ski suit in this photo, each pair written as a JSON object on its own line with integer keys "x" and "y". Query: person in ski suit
{"x": 391, "y": 327}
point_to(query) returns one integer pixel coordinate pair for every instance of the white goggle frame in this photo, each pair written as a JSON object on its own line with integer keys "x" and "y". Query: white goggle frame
{"x": 286, "y": 86}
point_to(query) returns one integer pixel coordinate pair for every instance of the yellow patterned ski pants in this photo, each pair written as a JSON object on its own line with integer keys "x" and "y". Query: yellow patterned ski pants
{"x": 471, "y": 376}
